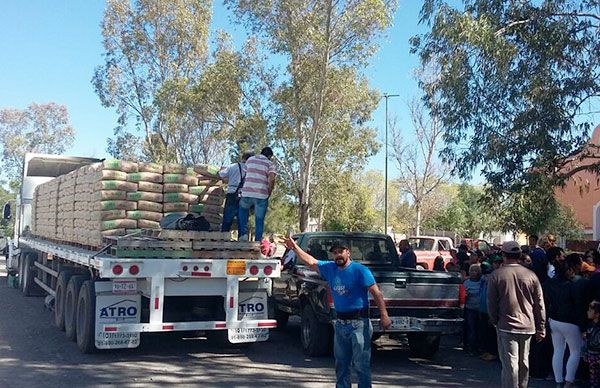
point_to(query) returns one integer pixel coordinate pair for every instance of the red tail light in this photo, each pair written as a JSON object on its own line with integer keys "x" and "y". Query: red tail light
{"x": 462, "y": 295}
{"x": 253, "y": 270}
{"x": 268, "y": 270}
{"x": 134, "y": 269}
{"x": 117, "y": 269}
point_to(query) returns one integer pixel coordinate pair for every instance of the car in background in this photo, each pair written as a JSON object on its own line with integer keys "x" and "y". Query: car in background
{"x": 427, "y": 248}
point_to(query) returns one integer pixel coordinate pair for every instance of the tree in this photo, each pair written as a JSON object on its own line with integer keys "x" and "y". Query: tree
{"x": 467, "y": 214}
{"x": 518, "y": 86}
{"x": 40, "y": 128}
{"x": 323, "y": 104}
{"x": 420, "y": 171}
{"x": 157, "y": 71}
{"x": 349, "y": 205}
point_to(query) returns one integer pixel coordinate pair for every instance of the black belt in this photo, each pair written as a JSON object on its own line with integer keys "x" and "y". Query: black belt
{"x": 354, "y": 314}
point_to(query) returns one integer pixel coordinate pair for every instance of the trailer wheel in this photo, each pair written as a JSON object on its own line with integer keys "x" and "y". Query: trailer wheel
{"x": 86, "y": 311}
{"x": 314, "y": 335}
{"x": 30, "y": 288}
{"x": 424, "y": 344}
{"x": 59, "y": 300}
{"x": 71, "y": 295}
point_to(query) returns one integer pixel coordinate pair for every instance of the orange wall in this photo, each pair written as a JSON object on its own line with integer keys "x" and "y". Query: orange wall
{"x": 582, "y": 191}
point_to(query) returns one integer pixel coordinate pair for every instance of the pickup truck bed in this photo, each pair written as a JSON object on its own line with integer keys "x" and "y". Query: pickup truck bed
{"x": 421, "y": 304}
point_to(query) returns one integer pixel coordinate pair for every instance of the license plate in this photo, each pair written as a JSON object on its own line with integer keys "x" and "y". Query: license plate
{"x": 248, "y": 335}
{"x": 236, "y": 267}
{"x": 124, "y": 286}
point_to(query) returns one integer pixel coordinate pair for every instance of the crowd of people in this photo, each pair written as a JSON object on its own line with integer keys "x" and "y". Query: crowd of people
{"x": 514, "y": 293}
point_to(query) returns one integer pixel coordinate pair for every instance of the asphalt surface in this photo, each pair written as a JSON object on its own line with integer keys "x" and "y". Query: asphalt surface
{"x": 34, "y": 353}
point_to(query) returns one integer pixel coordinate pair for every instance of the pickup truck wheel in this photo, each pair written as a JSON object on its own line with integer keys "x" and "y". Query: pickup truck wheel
{"x": 30, "y": 288}
{"x": 86, "y": 312}
{"x": 315, "y": 335}
{"x": 71, "y": 297}
{"x": 59, "y": 300}
{"x": 424, "y": 344}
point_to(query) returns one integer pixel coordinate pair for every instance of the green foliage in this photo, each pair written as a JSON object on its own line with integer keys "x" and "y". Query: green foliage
{"x": 467, "y": 214}
{"x": 321, "y": 104}
{"x": 6, "y": 225}
{"x": 40, "y": 128}
{"x": 159, "y": 74}
{"x": 518, "y": 82}
{"x": 282, "y": 213}
{"x": 350, "y": 205}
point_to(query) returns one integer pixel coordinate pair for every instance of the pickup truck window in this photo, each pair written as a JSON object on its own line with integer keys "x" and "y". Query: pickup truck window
{"x": 421, "y": 244}
{"x": 373, "y": 251}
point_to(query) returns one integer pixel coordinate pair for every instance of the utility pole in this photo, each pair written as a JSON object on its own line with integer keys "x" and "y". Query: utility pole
{"x": 386, "y": 96}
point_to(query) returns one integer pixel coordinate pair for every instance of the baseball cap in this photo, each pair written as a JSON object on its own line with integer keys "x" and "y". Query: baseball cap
{"x": 338, "y": 244}
{"x": 511, "y": 247}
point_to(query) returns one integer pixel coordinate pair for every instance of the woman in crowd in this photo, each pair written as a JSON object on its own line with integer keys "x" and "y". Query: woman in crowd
{"x": 564, "y": 307}
{"x": 592, "y": 342}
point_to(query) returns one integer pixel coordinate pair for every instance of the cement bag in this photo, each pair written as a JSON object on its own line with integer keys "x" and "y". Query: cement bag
{"x": 109, "y": 175}
{"x": 110, "y": 194}
{"x": 213, "y": 218}
{"x": 147, "y": 224}
{"x": 175, "y": 207}
{"x": 150, "y": 167}
{"x": 144, "y": 215}
{"x": 113, "y": 232}
{"x": 180, "y": 197}
{"x": 203, "y": 181}
{"x": 206, "y": 169}
{"x": 180, "y": 178}
{"x": 145, "y": 176}
{"x": 203, "y": 190}
{"x": 175, "y": 188}
{"x": 150, "y": 187}
{"x": 211, "y": 200}
{"x": 203, "y": 208}
{"x": 120, "y": 165}
{"x": 173, "y": 168}
{"x": 115, "y": 205}
{"x": 106, "y": 215}
{"x": 116, "y": 185}
{"x": 122, "y": 223}
{"x": 145, "y": 196}
{"x": 150, "y": 206}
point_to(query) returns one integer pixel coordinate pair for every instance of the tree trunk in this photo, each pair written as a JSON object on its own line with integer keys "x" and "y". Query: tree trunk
{"x": 418, "y": 221}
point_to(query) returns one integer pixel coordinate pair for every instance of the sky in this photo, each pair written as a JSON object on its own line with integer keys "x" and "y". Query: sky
{"x": 49, "y": 49}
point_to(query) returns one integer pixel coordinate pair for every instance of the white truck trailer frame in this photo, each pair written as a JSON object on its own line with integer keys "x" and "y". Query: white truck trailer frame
{"x": 105, "y": 302}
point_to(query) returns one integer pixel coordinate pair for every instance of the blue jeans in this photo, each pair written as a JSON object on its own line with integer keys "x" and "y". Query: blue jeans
{"x": 352, "y": 347}
{"x": 471, "y": 330}
{"x": 230, "y": 212}
{"x": 260, "y": 211}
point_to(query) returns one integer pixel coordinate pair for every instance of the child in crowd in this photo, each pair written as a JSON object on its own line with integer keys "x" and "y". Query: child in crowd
{"x": 592, "y": 342}
{"x": 471, "y": 315}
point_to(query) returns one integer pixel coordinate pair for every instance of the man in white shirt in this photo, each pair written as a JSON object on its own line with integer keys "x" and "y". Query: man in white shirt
{"x": 233, "y": 176}
{"x": 258, "y": 186}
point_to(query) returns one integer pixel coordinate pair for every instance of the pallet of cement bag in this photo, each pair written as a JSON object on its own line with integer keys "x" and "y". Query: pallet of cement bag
{"x": 187, "y": 235}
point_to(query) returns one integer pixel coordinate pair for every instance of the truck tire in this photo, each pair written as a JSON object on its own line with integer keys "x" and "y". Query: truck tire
{"x": 424, "y": 344}
{"x": 30, "y": 288}
{"x": 71, "y": 300}
{"x": 86, "y": 312}
{"x": 59, "y": 300}
{"x": 314, "y": 335}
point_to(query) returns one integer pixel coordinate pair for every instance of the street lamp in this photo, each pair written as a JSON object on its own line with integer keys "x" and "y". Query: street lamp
{"x": 385, "y": 205}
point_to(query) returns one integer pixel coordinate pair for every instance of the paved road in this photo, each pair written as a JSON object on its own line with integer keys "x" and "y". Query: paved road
{"x": 34, "y": 353}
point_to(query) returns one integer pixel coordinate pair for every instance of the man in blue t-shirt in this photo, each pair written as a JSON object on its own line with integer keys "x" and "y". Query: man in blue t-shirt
{"x": 350, "y": 283}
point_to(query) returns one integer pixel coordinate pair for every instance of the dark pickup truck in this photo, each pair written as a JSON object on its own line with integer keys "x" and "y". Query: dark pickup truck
{"x": 422, "y": 305}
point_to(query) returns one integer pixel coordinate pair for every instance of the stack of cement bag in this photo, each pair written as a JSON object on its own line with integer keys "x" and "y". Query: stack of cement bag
{"x": 84, "y": 188}
{"x": 210, "y": 193}
{"x": 176, "y": 182}
{"x": 110, "y": 204}
{"x": 148, "y": 197}
{"x": 66, "y": 206}
{"x": 45, "y": 209}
